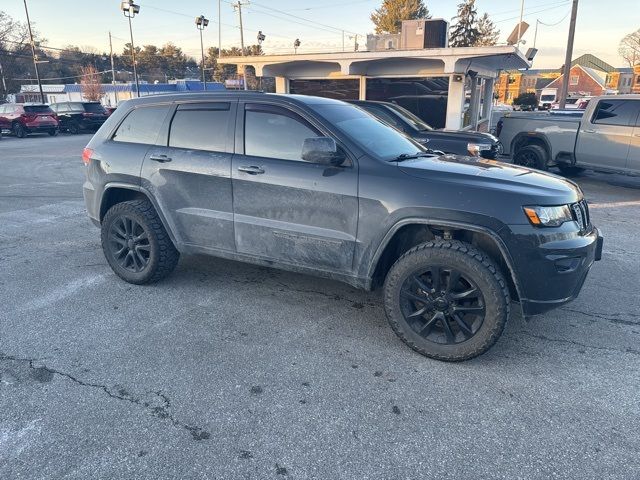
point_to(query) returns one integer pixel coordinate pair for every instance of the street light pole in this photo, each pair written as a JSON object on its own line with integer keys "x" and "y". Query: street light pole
{"x": 130, "y": 9}
{"x": 201, "y": 23}
{"x": 33, "y": 52}
{"x": 567, "y": 59}
{"x": 113, "y": 70}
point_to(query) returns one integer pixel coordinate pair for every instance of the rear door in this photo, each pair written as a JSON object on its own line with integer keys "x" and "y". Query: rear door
{"x": 604, "y": 139}
{"x": 633, "y": 162}
{"x": 190, "y": 174}
{"x": 286, "y": 209}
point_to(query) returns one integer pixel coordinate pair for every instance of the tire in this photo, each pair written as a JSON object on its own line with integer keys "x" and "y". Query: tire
{"x": 569, "y": 170}
{"x": 151, "y": 258}
{"x": 18, "y": 130}
{"x": 73, "y": 128}
{"x": 53, "y": 132}
{"x": 479, "y": 297}
{"x": 531, "y": 156}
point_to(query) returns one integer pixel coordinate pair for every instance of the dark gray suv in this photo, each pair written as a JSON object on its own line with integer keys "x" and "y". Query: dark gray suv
{"x": 318, "y": 186}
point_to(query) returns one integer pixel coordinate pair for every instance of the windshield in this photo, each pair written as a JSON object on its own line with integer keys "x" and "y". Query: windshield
{"x": 547, "y": 98}
{"x": 94, "y": 108}
{"x": 38, "y": 109}
{"x": 414, "y": 120}
{"x": 377, "y": 138}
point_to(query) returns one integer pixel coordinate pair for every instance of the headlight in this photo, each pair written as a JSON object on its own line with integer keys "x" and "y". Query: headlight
{"x": 548, "y": 216}
{"x": 474, "y": 149}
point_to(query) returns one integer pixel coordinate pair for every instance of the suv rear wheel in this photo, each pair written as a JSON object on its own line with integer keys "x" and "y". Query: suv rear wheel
{"x": 18, "y": 130}
{"x": 446, "y": 300}
{"x": 136, "y": 244}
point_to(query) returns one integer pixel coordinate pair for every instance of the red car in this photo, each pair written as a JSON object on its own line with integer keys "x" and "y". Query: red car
{"x": 25, "y": 118}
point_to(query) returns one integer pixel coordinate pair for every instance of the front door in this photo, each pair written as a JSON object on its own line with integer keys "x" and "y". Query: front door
{"x": 604, "y": 139}
{"x": 633, "y": 163}
{"x": 285, "y": 209}
{"x": 190, "y": 174}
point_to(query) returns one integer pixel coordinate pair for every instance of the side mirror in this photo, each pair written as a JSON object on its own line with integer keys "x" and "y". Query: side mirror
{"x": 322, "y": 150}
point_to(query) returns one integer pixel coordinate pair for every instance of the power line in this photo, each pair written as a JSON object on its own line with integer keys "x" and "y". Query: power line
{"x": 532, "y": 13}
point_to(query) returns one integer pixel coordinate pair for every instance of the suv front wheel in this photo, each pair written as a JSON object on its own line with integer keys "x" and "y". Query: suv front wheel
{"x": 446, "y": 300}
{"x": 136, "y": 244}
{"x": 19, "y": 131}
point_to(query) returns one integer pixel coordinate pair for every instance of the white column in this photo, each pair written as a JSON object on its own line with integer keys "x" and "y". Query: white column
{"x": 282, "y": 85}
{"x": 363, "y": 88}
{"x": 455, "y": 102}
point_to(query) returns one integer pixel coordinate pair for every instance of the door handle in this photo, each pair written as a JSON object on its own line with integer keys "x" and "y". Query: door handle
{"x": 588, "y": 131}
{"x": 251, "y": 170}
{"x": 160, "y": 158}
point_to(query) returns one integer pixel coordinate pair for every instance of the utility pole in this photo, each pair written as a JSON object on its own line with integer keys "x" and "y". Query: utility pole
{"x": 520, "y": 24}
{"x": 33, "y": 52}
{"x": 219, "y": 31}
{"x": 567, "y": 59}
{"x": 113, "y": 70}
{"x": 238, "y": 6}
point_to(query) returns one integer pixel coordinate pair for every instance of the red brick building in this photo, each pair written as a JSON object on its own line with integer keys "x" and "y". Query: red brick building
{"x": 583, "y": 81}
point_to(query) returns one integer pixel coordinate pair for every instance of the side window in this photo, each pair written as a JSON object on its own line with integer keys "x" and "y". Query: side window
{"x": 275, "y": 133}
{"x": 616, "y": 112}
{"x": 142, "y": 125}
{"x": 200, "y": 128}
{"x": 381, "y": 113}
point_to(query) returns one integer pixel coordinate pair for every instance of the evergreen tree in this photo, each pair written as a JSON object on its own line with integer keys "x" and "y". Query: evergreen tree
{"x": 388, "y": 18}
{"x": 487, "y": 32}
{"x": 464, "y": 32}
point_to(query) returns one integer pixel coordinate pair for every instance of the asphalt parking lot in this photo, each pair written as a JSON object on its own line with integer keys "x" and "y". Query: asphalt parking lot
{"x": 229, "y": 371}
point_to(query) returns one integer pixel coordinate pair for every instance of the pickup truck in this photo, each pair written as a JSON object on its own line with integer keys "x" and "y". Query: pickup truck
{"x": 605, "y": 138}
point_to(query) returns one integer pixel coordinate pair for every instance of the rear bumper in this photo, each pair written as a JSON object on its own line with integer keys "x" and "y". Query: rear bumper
{"x": 552, "y": 267}
{"x": 41, "y": 127}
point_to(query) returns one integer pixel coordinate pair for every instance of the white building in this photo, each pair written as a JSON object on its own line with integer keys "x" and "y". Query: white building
{"x": 447, "y": 87}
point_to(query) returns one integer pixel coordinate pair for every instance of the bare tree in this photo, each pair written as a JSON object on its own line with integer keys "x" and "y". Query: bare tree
{"x": 629, "y": 48}
{"x": 91, "y": 83}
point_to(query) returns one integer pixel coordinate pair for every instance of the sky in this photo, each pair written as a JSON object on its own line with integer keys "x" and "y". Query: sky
{"x": 318, "y": 23}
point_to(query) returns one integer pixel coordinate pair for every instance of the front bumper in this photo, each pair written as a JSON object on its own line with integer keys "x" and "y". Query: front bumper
{"x": 552, "y": 265}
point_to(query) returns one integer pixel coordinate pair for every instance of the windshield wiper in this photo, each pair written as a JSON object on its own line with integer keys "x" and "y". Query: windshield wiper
{"x": 408, "y": 156}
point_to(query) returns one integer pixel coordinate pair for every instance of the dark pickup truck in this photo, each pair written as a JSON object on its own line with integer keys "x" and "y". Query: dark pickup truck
{"x": 319, "y": 186}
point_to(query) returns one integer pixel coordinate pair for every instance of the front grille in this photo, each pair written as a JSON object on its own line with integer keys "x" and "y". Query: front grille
{"x": 580, "y": 213}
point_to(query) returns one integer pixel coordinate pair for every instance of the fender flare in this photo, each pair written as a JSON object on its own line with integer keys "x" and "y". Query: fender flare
{"x": 146, "y": 193}
{"x": 502, "y": 248}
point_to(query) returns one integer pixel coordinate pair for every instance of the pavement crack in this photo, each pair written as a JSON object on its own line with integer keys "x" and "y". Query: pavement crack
{"x": 609, "y": 318}
{"x": 629, "y": 350}
{"x": 160, "y": 411}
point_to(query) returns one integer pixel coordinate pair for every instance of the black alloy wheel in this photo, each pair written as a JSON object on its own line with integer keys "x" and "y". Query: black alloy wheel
{"x": 129, "y": 244}
{"x": 19, "y": 131}
{"x": 447, "y": 300}
{"x": 442, "y": 305}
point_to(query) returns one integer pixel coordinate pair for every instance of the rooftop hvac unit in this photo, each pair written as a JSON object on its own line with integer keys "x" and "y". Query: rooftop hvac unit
{"x": 423, "y": 33}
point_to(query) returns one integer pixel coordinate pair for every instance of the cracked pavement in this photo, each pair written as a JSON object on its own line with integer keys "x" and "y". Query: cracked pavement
{"x": 227, "y": 370}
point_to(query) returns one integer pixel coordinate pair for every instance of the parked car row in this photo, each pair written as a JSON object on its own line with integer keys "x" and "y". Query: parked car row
{"x": 22, "y": 119}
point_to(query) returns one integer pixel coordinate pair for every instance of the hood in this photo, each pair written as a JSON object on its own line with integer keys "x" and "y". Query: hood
{"x": 532, "y": 186}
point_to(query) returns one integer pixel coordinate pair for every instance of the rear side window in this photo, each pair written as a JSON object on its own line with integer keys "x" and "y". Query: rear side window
{"x": 142, "y": 125}
{"x": 200, "y": 128}
{"x": 37, "y": 109}
{"x": 616, "y": 112}
{"x": 93, "y": 108}
{"x": 275, "y": 134}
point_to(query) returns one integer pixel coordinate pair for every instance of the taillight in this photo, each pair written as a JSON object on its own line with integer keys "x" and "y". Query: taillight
{"x": 28, "y": 117}
{"x": 499, "y": 127}
{"x": 87, "y": 153}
